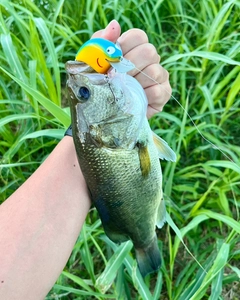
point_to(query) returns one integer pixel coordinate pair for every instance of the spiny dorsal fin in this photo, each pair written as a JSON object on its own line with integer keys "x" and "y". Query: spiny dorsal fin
{"x": 145, "y": 162}
{"x": 164, "y": 151}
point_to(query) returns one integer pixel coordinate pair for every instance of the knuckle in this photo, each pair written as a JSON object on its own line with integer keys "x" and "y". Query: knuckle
{"x": 151, "y": 52}
{"x": 166, "y": 74}
{"x": 167, "y": 92}
{"x": 157, "y": 73}
{"x": 159, "y": 94}
{"x": 156, "y": 92}
{"x": 140, "y": 35}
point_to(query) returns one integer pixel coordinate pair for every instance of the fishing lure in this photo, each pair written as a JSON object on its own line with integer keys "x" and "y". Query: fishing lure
{"x": 101, "y": 54}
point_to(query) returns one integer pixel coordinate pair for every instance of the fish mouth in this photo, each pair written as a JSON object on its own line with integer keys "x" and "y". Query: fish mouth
{"x": 74, "y": 67}
{"x": 117, "y": 59}
{"x": 99, "y": 63}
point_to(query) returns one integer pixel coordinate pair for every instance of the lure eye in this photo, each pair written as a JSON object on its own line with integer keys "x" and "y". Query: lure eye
{"x": 111, "y": 50}
{"x": 83, "y": 93}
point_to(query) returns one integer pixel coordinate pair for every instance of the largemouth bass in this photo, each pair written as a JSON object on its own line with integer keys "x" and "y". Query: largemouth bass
{"x": 119, "y": 157}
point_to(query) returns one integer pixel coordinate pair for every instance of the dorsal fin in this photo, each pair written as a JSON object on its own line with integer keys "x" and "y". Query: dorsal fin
{"x": 164, "y": 151}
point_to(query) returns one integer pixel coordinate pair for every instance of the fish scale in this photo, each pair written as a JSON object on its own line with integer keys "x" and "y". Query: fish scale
{"x": 118, "y": 157}
{"x": 116, "y": 191}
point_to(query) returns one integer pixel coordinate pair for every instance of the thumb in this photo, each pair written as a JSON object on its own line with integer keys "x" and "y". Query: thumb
{"x": 111, "y": 32}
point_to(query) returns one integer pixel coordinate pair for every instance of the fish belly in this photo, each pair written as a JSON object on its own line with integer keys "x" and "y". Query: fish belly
{"x": 126, "y": 201}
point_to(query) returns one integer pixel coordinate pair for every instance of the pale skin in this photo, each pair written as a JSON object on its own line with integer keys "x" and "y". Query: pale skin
{"x": 41, "y": 221}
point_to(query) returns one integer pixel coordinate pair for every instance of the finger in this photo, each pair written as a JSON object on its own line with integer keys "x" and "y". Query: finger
{"x": 142, "y": 56}
{"x": 111, "y": 32}
{"x": 131, "y": 39}
{"x": 152, "y": 75}
{"x": 152, "y": 111}
{"x": 158, "y": 95}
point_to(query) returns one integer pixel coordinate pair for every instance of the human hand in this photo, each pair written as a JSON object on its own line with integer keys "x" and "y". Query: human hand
{"x": 138, "y": 50}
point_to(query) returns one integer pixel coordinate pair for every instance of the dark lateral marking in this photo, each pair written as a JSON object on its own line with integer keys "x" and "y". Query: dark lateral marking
{"x": 144, "y": 158}
{"x": 2, "y": 281}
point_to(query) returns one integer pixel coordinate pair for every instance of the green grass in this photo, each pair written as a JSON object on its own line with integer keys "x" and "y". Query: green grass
{"x": 199, "y": 44}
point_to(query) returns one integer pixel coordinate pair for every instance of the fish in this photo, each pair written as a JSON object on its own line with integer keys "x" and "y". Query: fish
{"x": 119, "y": 157}
{"x": 99, "y": 53}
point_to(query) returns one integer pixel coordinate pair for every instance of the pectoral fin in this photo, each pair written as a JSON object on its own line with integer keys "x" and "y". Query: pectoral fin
{"x": 164, "y": 151}
{"x": 144, "y": 158}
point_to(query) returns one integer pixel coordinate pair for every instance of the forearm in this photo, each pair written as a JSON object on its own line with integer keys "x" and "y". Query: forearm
{"x": 40, "y": 223}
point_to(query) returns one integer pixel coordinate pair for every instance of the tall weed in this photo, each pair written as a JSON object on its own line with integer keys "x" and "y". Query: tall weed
{"x": 199, "y": 46}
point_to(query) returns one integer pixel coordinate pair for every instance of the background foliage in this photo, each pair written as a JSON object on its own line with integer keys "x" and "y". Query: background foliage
{"x": 199, "y": 43}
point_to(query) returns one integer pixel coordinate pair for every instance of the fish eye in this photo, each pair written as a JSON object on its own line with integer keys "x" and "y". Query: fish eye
{"x": 111, "y": 50}
{"x": 83, "y": 93}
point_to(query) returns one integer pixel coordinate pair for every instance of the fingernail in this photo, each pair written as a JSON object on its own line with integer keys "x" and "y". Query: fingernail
{"x": 110, "y": 26}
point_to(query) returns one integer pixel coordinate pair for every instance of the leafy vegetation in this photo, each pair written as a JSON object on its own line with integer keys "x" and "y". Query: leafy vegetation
{"x": 199, "y": 43}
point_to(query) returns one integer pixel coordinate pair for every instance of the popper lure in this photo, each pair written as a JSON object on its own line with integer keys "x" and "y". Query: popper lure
{"x": 101, "y": 54}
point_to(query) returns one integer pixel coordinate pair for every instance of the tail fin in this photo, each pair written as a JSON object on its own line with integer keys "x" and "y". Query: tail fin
{"x": 148, "y": 258}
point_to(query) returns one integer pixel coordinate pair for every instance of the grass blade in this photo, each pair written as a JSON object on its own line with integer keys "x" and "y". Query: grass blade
{"x": 203, "y": 54}
{"x": 235, "y": 225}
{"x": 158, "y": 287}
{"x": 218, "y": 265}
{"x": 216, "y": 287}
{"x": 83, "y": 293}
{"x": 53, "y": 133}
{"x": 12, "y": 57}
{"x": 12, "y": 118}
{"x": 77, "y": 280}
{"x": 179, "y": 235}
{"x": 41, "y": 25}
{"x": 106, "y": 279}
{"x": 233, "y": 92}
{"x": 55, "y": 110}
{"x": 133, "y": 271}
